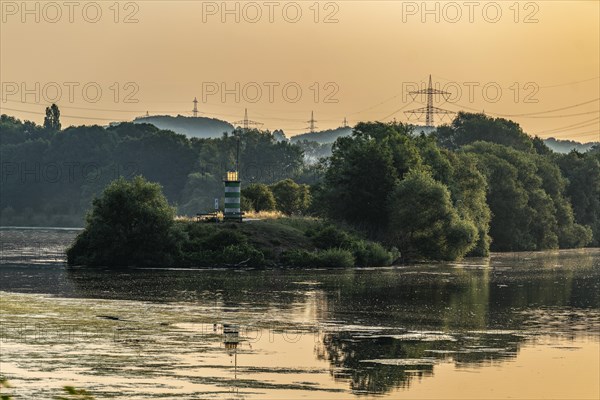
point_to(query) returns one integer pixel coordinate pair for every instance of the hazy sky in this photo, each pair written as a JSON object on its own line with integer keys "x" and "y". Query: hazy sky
{"x": 360, "y": 64}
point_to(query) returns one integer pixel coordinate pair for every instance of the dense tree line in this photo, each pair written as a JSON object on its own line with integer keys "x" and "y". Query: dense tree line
{"x": 475, "y": 185}
{"x": 50, "y": 176}
{"x": 408, "y": 192}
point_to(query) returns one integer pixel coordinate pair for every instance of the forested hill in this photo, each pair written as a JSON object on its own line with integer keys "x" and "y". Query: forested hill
{"x": 321, "y": 137}
{"x": 199, "y": 127}
{"x": 317, "y": 145}
{"x": 49, "y": 176}
{"x": 566, "y": 146}
{"x": 330, "y": 135}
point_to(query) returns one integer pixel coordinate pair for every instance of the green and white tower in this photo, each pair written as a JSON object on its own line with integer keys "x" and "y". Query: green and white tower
{"x": 233, "y": 210}
{"x": 233, "y": 192}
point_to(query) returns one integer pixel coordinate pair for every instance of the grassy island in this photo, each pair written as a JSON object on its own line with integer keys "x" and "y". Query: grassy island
{"x": 132, "y": 224}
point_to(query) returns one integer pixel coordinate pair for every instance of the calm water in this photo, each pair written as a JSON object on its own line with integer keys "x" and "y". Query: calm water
{"x": 520, "y": 325}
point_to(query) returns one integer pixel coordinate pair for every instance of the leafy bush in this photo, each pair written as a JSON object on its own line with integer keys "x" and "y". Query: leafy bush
{"x": 224, "y": 238}
{"x": 370, "y": 254}
{"x": 334, "y": 258}
{"x": 366, "y": 253}
{"x": 330, "y": 258}
{"x": 130, "y": 224}
{"x": 259, "y": 196}
{"x": 246, "y": 204}
{"x": 329, "y": 237}
{"x": 291, "y": 198}
{"x": 298, "y": 258}
{"x": 243, "y": 255}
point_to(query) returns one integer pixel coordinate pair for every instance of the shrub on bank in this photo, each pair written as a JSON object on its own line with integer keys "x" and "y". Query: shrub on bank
{"x": 330, "y": 258}
{"x": 365, "y": 253}
{"x": 370, "y": 254}
{"x": 328, "y": 237}
{"x": 129, "y": 225}
{"x": 341, "y": 258}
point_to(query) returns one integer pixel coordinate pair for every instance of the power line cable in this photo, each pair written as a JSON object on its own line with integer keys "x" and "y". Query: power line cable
{"x": 572, "y": 126}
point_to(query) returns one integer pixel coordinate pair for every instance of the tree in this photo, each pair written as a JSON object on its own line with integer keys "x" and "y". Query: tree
{"x": 263, "y": 158}
{"x": 52, "y": 119}
{"x": 290, "y": 197}
{"x": 363, "y": 170}
{"x": 199, "y": 193}
{"x": 130, "y": 224}
{"x": 423, "y": 221}
{"x": 582, "y": 172}
{"x": 468, "y": 128}
{"x": 260, "y": 196}
{"x": 527, "y": 201}
{"x": 468, "y": 188}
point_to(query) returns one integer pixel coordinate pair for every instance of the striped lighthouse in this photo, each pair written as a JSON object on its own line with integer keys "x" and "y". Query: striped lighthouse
{"x": 233, "y": 211}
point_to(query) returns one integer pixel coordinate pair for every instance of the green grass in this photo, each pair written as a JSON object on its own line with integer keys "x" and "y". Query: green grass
{"x": 293, "y": 242}
{"x": 280, "y": 235}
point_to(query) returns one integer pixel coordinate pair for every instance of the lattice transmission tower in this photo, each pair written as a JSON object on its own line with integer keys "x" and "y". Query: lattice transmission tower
{"x": 429, "y": 110}
{"x": 195, "y": 110}
{"x": 311, "y": 127}
{"x": 246, "y": 123}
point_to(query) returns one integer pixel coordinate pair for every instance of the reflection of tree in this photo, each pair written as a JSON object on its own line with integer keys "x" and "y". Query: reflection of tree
{"x": 345, "y": 355}
{"x": 468, "y": 308}
{"x": 544, "y": 279}
{"x": 471, "y": 304}
{"x": 433, "y": 298}
{"x": 348, "y": 352}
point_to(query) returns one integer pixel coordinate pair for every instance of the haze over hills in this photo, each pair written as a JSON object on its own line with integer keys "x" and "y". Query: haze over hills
{"x": 322, "y": 137}
{"x": 200, "y": 127}
{"x": 329, "y": 136}
{"x": 203, "y": 127}
{"x": 565, "y": 146}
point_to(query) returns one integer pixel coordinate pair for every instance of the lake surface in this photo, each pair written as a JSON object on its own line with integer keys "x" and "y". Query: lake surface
{"x": 520, "y": 325}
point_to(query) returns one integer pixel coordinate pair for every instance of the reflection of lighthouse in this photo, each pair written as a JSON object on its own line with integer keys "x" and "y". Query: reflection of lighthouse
{"x": 231, "y": 342}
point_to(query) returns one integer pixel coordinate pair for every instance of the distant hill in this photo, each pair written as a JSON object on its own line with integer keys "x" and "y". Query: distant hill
{"x": 565, "y": 146}
{"x": 203, "y": 127}
{"x": 328, "y": 136}
{"x": 199, "y": 127}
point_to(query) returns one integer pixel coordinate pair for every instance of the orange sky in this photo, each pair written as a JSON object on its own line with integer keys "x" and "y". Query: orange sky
{"x": 363, "y": 61}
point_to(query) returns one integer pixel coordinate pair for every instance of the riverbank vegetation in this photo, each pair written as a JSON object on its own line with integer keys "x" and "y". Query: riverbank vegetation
{"x": 132, "y": 224}
{"x": 452, "y": 194}
{"x": 477, "y": 185}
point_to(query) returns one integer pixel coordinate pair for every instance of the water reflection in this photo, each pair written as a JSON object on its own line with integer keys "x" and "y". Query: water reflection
{"x": 377, "y": 363}
{"x": 375, "y": 330}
